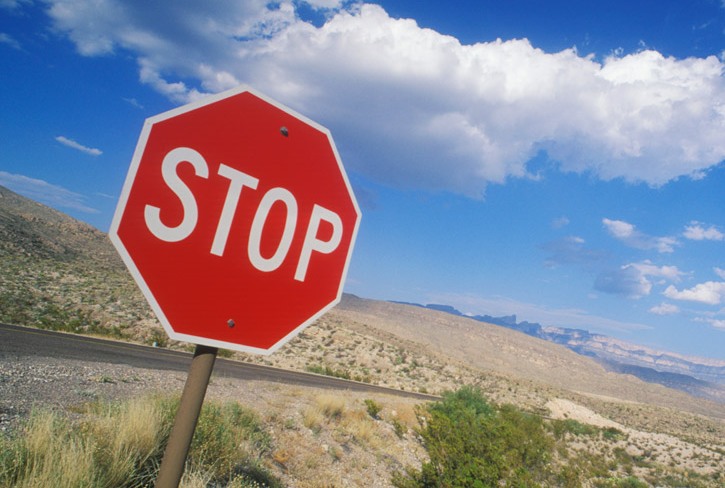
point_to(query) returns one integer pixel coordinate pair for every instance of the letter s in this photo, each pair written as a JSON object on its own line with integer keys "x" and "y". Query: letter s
{"x": 171, "y": 178}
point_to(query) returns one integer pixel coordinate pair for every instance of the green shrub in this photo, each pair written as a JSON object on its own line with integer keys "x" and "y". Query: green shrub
{"x": 570, "y": 426}
{"x": 373, "y": 408}
{"x": 613, "y": 434}
{"x": 630, "y": 482}
{"x": 472, "y": 444}
{"x": 328, "y": 371}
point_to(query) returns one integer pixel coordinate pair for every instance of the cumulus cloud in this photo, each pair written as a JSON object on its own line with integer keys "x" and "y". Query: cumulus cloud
{"x": 665, "y": 273}
{"x": 710, "y": 293}
{"x": 634, "y": 280}
{"x": 77, "y": 146}
{"x": 697, "y": 232}
{"x": 42, "y": 191}
{"x": 415, "y": 108}
{"x": 720, "y": 272}
{"x": 717, "y": 323}
{"x": 625, "y": 281}
{"x": 665, "y": 309}
{"x": 630, "y": 236}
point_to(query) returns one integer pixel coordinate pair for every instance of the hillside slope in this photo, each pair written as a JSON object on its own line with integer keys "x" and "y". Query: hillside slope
{"x": 58, "y": 273}
{"x": 488, "y": 347}
{"x": 698, "y": 376}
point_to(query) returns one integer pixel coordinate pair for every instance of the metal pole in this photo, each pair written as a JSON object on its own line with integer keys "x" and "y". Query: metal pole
{"x": 172, "y": 465}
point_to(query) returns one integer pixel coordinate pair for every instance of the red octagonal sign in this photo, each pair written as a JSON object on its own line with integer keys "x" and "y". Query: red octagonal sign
{"x": 237, "y": 221}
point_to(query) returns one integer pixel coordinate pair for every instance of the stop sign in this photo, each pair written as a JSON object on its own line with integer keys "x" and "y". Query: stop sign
{"x": 237, "y": 221}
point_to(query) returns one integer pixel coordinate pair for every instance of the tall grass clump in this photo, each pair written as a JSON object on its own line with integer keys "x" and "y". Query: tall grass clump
{"x": 118, "y": 445}
{"x": 112, "y": 446}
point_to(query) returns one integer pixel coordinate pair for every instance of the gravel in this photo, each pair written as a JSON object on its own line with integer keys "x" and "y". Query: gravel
{"x": 39, "y": 382}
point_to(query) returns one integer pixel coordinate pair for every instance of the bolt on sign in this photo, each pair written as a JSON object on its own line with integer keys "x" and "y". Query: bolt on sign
{"x": 237, "y": 221}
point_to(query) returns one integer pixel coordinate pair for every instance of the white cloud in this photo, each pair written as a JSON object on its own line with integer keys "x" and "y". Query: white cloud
{"x": 412, "y": 107}
{"x": 630, "y": 236}
{"x": 619, "y": 229}
{"x": 626, "y": 281}
{"x": 634, "y": 280}
{"x": 8, "y": 40}
{"x": 44, "y": 192}
{"x": 696, "y": 232}
{"x": 720, "y": 272}
{"x": 80, "y": 147}
{"x": 665, "y": 309}
{"x": 669, "y": 273}
{"x": 717, "y": 323}
{"x": 710, "y": 293}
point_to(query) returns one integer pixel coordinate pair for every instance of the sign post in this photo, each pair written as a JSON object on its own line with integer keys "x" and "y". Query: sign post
{"x": 192, "y": 398}
{"x": 237, "y": 222}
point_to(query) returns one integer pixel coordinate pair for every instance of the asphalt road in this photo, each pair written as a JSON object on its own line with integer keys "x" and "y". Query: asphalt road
{"x": 18, "y": 341}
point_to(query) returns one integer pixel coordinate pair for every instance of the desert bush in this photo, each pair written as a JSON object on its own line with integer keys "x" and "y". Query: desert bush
{"x": 229, "y": 442}
{"x": 373, "y": 408}
{"x": 630, "y": 482}
{"x": 473, "y": 444}
{"x": 571, "y": 426}
{"x": 328, "y": 371}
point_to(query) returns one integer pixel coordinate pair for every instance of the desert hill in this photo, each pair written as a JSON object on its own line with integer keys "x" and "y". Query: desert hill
{"x": 500, "y": 351}
{"x": 61, "y": 273}
{"x": 56, "y": 272}
{"x": 29, "y": 229}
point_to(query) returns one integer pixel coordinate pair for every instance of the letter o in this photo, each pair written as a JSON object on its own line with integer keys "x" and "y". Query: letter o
{"x": 260, "y": 218}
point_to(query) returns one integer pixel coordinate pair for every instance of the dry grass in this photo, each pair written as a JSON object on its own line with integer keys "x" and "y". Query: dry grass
{"x": 127, "y": 435}
{"x": 312, "y": 418}
{"x": 109, "y": 446}
{"x": 120, "y": 445}
{"x": 52, "y": 457}
{"x": 332, "y": 406}
{"x": 320, "y": 438}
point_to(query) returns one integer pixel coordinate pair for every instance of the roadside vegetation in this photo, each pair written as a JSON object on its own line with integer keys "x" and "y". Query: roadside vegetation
{"x": 63, "y": 275}
{"x": 463, "y": 440}
{"x": 121, "y": 445}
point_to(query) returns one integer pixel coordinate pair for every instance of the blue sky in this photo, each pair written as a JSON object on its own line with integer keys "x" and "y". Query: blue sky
{"x": 562, "y": 161}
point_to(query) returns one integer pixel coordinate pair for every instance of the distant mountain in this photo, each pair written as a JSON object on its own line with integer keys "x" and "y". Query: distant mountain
{"x": 698, "y": 376}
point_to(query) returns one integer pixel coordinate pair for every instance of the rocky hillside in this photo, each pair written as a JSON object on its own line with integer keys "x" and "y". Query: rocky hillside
{"x": 58, "y": 273}
{"x": 704, "y": 377}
